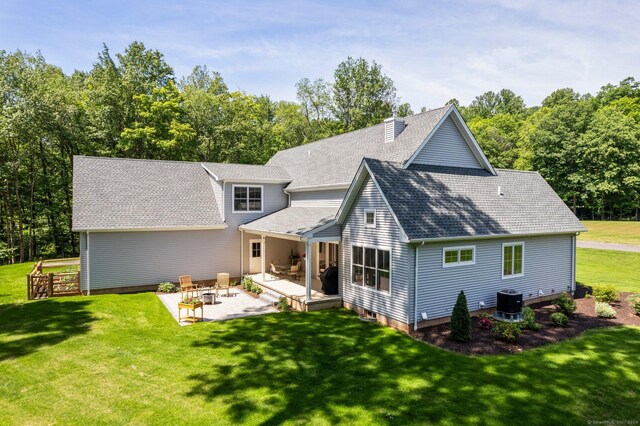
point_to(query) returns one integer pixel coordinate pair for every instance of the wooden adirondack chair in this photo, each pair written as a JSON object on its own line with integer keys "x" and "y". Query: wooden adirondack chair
{"x": 187, "y": 286}
{"x": 222, "y": 283}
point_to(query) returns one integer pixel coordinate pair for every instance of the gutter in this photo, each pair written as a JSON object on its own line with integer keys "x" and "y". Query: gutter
{"x": 489, "y": 237}
{"x": 318, "y": 188}
{"x": 178, "y": 228}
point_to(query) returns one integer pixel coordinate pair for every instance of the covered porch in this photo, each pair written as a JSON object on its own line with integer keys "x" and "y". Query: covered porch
{"x": 286, "y": 253}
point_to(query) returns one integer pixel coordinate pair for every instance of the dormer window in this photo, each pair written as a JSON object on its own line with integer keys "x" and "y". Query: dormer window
{"x": 370, "y": 218}
{"x": 247, "y": 198}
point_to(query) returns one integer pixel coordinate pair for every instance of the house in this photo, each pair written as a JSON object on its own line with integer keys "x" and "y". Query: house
{"x": 410, "y": 211}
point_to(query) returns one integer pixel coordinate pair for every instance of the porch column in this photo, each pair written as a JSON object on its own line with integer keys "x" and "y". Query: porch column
{"x": 263, "y": 250}
{"x": 307, "y": 270}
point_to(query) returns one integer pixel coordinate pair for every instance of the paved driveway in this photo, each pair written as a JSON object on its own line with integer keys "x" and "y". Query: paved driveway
{"x": 608, "y": 246}
{"x": 238, "y": 305}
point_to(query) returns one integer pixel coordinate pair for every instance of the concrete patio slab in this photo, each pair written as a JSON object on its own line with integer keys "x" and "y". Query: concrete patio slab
{"x": 238, "y": 305}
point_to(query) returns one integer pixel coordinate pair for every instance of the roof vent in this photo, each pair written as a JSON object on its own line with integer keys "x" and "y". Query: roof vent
{"x": 393, "y": 126}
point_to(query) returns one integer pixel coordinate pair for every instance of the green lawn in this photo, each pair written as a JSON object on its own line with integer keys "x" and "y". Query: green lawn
{"x": 619, "y": 268}
{"x": 611, "y": 232}
{"x": 123, "y": 359}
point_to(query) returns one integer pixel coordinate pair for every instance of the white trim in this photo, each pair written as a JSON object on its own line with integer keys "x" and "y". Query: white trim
{"x": 366, "y": 212}
{"x": 466, "y": 134}
{"x": 573, "y": 264}
{"x": 241, "y": 253}
{"x": 233, "y": 199}
{"x": 215, "y": 177}
{"x": 325, "y": 239}
{"x": 415, "y": 289}
{"x": 160, "y": 228}
{"x": 371, "y": 246}
{"x": 489, "y": 237}
{"x": 307, "y": 271}
{"x": 88, "y": 268}
{"x": 280, "y": 235}
{"x": 512, "y": 244}
{"x": 326, "y": 187}
{"x": 458, "y": 263}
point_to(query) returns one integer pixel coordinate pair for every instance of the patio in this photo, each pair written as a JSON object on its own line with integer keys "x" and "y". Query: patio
{"x": 238, "y": 305}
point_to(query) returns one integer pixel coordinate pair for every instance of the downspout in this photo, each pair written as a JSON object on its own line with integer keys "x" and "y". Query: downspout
{"x": 415, "y": 290}
{"x": 88, "y": 268}
{"x": 241, "y": 253}
{"x": 573, "y": 264}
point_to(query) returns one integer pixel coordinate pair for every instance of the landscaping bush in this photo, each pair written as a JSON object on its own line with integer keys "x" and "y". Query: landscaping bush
{"x": 486, "y": 321}
{"x": 565, "y": 304}
{"x": 559, "y": 319}
{"x": 605, "y": 293}
{"x": 507, "y": 331}
{"x": 634, "y": 300}
{"x": 605, "y": 310}
{"x": 283, "y": 304}
{"x": 167, "y": 287}
{"x": 247, "y": 283}
{"x": 461, "y": 320}
{"x": 255, "y": 289}
{"x": 529, "y": 319}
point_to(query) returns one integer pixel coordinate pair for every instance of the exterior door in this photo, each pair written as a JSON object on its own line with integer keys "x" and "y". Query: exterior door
{"x": 255, "y": 256}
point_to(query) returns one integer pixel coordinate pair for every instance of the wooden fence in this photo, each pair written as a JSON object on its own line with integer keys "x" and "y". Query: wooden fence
{"x": 41, "y": 285}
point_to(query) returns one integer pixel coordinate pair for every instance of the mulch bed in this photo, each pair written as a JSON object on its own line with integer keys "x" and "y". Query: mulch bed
{"x": 484, "y": 342}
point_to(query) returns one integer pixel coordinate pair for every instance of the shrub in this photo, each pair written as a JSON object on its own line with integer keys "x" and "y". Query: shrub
{"x": 559, "y": 319}
{"x": 634, "y": 301}
{"x": 529, "y": 319}
{"x": 255, "y": 289}
{"x": 605, "y": 293}
{"x": 507, "y": 331}
{"x": 485, "y": 321}
{"x": 461, "y": 320}
{"x": 167, "y": 287}
{"x": 565, "y": 304}
{"x": 604, "y": 310}
{"x": 283, "y": 304}
{"x": 247, "y": 282}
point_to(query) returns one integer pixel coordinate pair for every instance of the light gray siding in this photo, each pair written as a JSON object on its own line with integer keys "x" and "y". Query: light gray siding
{"x": 547, "y": 267}
{"x": 122, "y": 259}
{"x": 385, "y": 235}
{"x": 327, "y": 198}
{"x": 83, "y": 260}
{"x": 447, "y": 147}
{"x": 332, "y": 231}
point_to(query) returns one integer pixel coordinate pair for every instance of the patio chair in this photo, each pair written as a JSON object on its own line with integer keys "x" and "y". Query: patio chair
{"x": 295, "y": 271}
{"x": 276, "y": 272}
{"x": 187, "y": 286}
{"x": 222, "y": 283}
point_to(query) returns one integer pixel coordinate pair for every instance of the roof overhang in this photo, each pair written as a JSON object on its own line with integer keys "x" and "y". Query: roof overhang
{"x": 160, "y": 228}
{"x": 318, "y": 187}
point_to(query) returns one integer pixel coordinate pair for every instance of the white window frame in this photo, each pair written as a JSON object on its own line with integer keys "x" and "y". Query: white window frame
{"x": 370, "y": 225}
{"x": 362, "y": 286}
{"x": 512, "y": 244}
{"x": 233, "y": 198}
{"x": 458, "y": 249}
{"x": 251, "y": 243}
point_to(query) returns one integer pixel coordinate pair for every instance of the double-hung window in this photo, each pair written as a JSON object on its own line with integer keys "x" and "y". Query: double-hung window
{"x": 247, "y": 198}
{"x": 370, "y": 218}
{"x": 371, "y": 268}
{"x": 512, "y": 260}
{"x": 458, "y": 256}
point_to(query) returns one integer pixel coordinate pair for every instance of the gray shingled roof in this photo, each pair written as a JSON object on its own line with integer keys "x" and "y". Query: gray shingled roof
{"x": 335, "y": 160}
{"x": 443, "y": 202}
{"x": 225, "y": 171}
{"x": 293, "y": 220}
{"x": 115, "y": 193}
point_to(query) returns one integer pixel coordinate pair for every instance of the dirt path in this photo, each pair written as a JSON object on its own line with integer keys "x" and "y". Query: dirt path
{"x": 608, "y": 246}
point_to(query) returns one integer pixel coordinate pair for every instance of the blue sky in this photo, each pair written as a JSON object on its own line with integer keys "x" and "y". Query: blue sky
{"x": 433, "y": 50}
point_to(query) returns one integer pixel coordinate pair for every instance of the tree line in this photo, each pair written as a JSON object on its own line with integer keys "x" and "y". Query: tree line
{"x": 131, "y": 104}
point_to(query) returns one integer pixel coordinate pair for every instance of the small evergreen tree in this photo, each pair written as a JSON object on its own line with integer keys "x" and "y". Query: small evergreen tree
{"x": 461, "y": 320}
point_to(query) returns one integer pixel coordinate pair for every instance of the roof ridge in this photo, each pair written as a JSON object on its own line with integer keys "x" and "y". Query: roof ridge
{"x": 147, "y": 160}
{"x": 517, "y": 171}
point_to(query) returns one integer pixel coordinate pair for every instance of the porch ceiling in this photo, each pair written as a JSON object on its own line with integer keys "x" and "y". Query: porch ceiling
{"x": 295, "y": 222}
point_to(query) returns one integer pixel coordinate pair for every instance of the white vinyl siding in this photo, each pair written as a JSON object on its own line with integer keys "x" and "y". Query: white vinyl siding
{"x": 447, "y": 147}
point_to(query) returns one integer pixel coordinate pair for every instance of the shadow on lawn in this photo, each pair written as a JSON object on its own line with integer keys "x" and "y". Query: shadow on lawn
{"x": 330, "y": 364}
{"x": 26, "y": 327}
